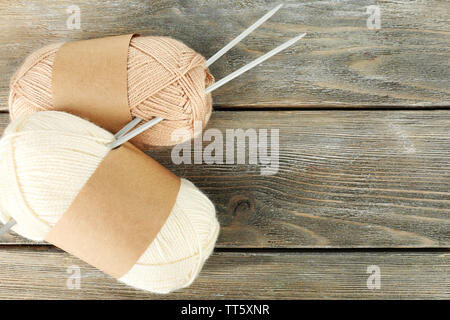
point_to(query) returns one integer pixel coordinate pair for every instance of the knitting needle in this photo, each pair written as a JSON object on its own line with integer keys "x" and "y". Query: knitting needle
{"x": 246, "y": 32}
{"x": 252, "y": 64}
{"x": 125, "y": 137}
{"x": 209, "y": 62}
{"x": 133, "y": 123}
{"x": 5, "y": 228}
{"x": 122, "y": 136}
{"x": 130, "y": 135}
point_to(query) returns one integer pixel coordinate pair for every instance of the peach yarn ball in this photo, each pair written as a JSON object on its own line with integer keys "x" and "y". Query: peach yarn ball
{"x": 166, "y": 78}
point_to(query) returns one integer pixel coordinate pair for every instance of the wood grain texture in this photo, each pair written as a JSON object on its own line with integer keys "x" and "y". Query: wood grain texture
{"x": 346, "y": 179}
{"x": 42, "y": 273}
{"x": 340, "y": 63}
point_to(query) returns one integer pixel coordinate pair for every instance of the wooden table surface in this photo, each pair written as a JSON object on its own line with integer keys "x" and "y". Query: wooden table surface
{"x": 364, "y": 156}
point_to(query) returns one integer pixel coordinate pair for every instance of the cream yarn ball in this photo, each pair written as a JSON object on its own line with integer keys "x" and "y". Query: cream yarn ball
{"x": 45, "y": 160}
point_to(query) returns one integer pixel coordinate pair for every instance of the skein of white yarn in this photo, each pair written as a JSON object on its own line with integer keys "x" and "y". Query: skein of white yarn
{"x": 45, "y": 160}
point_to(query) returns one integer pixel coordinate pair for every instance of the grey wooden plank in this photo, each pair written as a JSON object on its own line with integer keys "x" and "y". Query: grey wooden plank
{"x": 37, "y": 273}
{"x": 346, "y": 179}
{"x": 340, "y": 63}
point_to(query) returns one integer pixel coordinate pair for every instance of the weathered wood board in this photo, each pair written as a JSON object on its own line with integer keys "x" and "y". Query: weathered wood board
{"x": 42, "y": 273}
{"x": 353, "y": 188}
{"x": 346, "y": 179}
{"x": 340, "y": 63}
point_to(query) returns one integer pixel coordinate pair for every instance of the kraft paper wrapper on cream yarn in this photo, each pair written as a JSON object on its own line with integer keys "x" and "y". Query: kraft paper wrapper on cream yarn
{"x": 46, "y": 158}
{"x": 109, "y": 225}
{"x": 90, "y": 80}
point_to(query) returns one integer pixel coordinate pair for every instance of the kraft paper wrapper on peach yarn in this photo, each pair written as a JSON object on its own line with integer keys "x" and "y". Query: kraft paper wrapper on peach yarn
{"x": 118, "y": 212}
{"x": 89, "y": 79}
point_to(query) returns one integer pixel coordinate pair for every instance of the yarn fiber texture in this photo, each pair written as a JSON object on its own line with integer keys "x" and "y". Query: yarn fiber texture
{"x": 166, "y": 78}
{"x": 45, "y": 160}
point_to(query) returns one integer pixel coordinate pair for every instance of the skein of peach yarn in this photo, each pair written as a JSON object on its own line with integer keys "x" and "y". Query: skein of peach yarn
{"x": 166, "y": 79}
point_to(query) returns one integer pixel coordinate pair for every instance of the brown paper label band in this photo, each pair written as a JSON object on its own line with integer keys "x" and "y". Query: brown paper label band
{"x": 89, "y": 79}
{"x": 118, "y": 212}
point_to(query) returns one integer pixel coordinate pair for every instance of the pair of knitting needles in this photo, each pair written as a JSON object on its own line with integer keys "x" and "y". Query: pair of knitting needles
{"x": 125, "y": 134}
